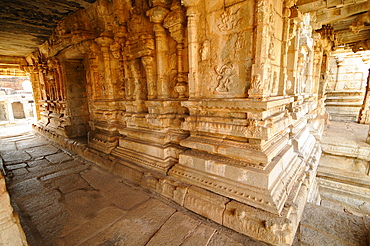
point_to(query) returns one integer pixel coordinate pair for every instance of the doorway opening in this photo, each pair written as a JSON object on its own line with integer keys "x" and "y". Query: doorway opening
{"x": 17, "y": 105}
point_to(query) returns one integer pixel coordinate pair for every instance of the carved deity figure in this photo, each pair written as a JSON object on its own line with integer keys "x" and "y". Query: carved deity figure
{"x": 204, "y": 51}
{"x": 224, "y": 74}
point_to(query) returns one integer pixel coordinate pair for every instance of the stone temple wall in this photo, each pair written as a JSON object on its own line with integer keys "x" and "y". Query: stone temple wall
{"x": 213, "y": 104}
{"x": 11, "y": 232}
{"x": 346, "y": 86}
{"x": 14, "y": 83}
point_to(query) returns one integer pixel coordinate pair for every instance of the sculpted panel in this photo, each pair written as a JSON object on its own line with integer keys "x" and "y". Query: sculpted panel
{"x": 225, "y": 52}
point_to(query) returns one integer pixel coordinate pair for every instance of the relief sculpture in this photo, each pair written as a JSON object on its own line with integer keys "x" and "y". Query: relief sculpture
{"x": 230, "y": 20}
{"x": 224, "y": 74}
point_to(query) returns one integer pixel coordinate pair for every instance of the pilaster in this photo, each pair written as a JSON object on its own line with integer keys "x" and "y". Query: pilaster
{"x": 9, "y": 110}
{"x": 157, "y": 15}
{"x": 151, "y": 137}
{"x": 192, "y": 25}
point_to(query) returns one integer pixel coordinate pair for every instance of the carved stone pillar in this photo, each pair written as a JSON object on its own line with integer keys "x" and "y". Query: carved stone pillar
{"x": 157, "y": 15}
{"x": 118, "y": 71}
{"x": 292, "y": 57}
{"x": 193, "y": 15}
{"x": 339, "y": 62}
{"x": 151, "y": 136}
{"x": 260, "y": 69}
{"x": 9, "y": 110}
{"x": 55, "y": 74}
{"x": 129, "y": 81}
{"x": 285, "y": 48}
{"x": 32, "y": 72}
{"x": 93, "y": 68}
{"x": 151, "y": 83}
{"x": 105, "y": 41}
{"x": 175, "y": 23}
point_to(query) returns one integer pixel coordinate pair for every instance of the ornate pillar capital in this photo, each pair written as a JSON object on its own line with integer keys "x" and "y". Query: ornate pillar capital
{"x": 29, "y": 69}
{"x": 157, "y": 14}
{"x": 104, "y": 41}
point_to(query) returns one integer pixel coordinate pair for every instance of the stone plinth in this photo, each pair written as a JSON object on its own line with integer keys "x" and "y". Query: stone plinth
{"x": 343, "y": 171}
{"x": 151, "y": 140}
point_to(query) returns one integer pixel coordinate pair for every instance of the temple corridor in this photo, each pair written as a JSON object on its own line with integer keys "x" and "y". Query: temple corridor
{"x": 169, "y": 122}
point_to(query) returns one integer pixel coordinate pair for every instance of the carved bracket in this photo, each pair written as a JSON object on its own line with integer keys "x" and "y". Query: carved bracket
{"x": 359, "y": 23}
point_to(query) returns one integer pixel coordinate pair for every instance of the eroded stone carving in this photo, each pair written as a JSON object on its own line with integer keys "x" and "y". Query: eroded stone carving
{"x": 256, "y": 84}
{"x": 360, "y": 22}
{"x": 224, "y": 74}
{"x": 205, "y": 50}
{"x": 361, "y": 46}
{"x": 230, "y": 19}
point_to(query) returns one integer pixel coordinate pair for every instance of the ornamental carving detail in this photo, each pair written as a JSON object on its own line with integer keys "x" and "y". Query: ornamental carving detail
{"x": 224, "y": 74}
{"x": 230, "y": 20}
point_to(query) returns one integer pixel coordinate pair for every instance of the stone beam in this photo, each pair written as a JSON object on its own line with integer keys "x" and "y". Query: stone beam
{"x": 335, "y": 14}
{"x": 306, "y": 6}
{"x": 12, "y": 66}
{"x": 346, "y": 37}
{"x": 12, "y": 60}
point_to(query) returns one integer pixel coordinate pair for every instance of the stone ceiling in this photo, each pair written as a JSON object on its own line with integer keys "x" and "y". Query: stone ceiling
{"x": 25, "y": 24}
{"x": 340, "y": 14}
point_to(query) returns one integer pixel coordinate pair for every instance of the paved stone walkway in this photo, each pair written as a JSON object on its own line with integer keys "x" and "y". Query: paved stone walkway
{"x": 62, "y": 200}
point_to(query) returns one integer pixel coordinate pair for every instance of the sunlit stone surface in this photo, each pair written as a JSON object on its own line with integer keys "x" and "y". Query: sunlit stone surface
{"x": 217, "y": 105}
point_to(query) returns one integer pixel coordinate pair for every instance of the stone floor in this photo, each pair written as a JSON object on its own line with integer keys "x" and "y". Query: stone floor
{"x": 62, "y": 200}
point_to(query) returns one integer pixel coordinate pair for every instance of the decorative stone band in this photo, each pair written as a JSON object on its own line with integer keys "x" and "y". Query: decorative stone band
{"x": 243, "y": 153}
{"x": 267, "y": 189}
{"x": 258, "y": 107}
